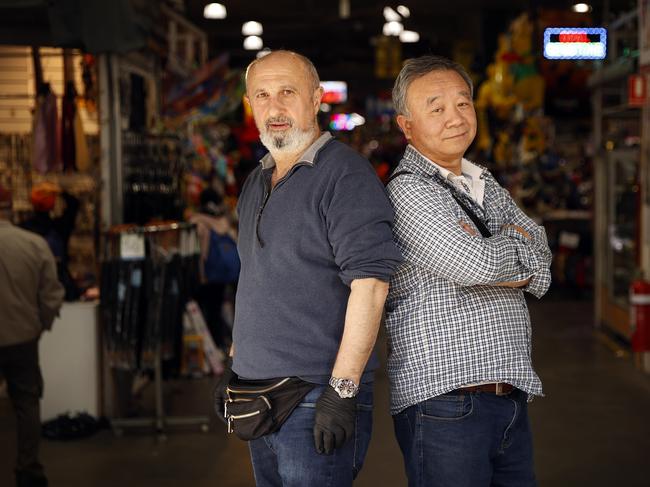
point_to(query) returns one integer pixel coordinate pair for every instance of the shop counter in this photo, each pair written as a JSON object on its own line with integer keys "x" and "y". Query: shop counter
{"x": 70, "y": 362}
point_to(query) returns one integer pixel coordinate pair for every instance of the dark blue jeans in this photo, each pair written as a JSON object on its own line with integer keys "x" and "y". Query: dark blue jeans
{"x": 288, "y": 458}
{"x": 476, "y": 439}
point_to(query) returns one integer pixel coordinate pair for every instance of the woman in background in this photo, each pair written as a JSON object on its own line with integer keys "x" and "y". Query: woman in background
{"x": 219, "y": 263}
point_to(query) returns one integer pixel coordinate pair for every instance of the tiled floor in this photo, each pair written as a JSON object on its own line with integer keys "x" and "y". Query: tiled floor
{"x": 591, "y": 429}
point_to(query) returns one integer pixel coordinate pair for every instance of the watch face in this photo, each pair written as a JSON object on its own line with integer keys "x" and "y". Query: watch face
{"x": 346, "y": 393}
{"x": 346, "y": 388}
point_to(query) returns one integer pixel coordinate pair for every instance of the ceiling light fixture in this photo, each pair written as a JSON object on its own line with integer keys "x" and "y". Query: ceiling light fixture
{"x": 215, "y": 11}
{"x": 390, "y": 15}
{"x": 264, "y": 52}
{"x": 408, "y": 36}
{"x": 393, "y": 28}
{"x": 252, "y": 28}
{"x": 344, "y": 9}
{"x": 404, "y": 11}
{"x": 581, "y": 8}
{"x": 253, "y": 43}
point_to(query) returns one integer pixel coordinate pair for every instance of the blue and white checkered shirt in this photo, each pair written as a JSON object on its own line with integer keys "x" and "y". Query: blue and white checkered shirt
{"x": 448, "y": 323}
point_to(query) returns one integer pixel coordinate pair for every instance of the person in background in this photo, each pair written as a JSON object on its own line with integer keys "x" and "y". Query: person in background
{"x": 30, "y": 299}
{"x": 317, "y": 254}
{"x": 55, "y": 230}
{"x": 219, "y": 262}
{"x": 458, "y": 326}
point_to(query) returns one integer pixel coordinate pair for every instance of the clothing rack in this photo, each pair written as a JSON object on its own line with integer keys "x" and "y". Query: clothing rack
{"x": 150, "y": 228}
{"x": 147, "y": 275}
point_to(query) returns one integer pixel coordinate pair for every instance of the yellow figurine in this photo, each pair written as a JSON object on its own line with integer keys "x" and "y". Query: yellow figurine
{"x": 529, "y": 85}
{"x": 495, "y": 94}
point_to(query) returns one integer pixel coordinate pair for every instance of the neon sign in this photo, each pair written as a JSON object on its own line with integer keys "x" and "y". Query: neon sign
{"x": 346, "y": 121}
{"x": 575, "y": 43}
{"x": 334, "y": 91}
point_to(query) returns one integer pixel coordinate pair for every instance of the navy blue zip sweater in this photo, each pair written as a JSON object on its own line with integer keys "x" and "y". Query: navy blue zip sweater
{"x": 301, "y": 244}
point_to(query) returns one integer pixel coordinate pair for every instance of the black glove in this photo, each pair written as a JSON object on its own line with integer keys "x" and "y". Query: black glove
{"x": 220, "y": 396}
{"x": 335, "y": 421}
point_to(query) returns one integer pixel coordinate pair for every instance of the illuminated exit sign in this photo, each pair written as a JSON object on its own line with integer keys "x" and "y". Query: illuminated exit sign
{"x": 575, "y": 43}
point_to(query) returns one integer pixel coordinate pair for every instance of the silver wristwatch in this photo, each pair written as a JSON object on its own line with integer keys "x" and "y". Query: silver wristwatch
{"x": 345, "y": 388}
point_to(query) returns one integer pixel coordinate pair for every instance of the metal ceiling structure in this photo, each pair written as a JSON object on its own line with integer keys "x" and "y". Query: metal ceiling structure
{"x": 341, "y": 48}
{"x": 344, "y": 47}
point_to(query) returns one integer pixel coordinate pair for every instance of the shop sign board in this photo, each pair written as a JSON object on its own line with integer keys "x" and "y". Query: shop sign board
{"x": 575, "y": 43}
{"x": 637, "y": 90}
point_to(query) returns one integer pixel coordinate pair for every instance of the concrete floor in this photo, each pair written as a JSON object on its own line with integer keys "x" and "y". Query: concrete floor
{"x": 591, "y": 429}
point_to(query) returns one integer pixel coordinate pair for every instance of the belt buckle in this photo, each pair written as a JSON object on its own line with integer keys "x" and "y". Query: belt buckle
{"x": 498, "y": 389}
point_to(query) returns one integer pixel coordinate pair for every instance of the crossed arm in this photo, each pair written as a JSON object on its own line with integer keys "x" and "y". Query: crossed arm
{"x": 512, "y": 284}
{"x": 430, "y": 235}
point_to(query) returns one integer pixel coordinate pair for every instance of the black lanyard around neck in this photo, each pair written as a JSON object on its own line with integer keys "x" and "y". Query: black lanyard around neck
{"x": 485, "y": 232}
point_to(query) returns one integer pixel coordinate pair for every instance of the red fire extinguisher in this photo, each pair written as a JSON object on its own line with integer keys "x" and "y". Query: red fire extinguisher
{"x": 640, "y": 315}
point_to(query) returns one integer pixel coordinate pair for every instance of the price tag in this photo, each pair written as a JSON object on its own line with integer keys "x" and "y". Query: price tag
{"x": 569, "y": 240}
{"x": 132, "y": 246}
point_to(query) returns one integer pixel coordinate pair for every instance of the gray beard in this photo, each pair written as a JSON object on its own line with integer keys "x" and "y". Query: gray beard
{"x": 290, "y": 142}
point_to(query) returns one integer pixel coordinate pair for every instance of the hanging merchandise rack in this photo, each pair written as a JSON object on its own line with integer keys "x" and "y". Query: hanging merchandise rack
{"x": 16, "y": 168}
{"x": 148, "y": 274}
{"x": 153, "y": 165}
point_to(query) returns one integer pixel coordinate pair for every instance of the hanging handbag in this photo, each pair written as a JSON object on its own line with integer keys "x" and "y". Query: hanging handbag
{"x": 255, "y": 408}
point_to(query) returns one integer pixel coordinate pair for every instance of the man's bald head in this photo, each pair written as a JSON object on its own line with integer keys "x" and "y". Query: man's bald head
{"x": 284, "y": 93}
{"x": 307, "y": 65}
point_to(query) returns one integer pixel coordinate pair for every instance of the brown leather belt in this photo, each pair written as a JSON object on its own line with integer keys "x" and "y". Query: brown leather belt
{"x": 500, "y": 388}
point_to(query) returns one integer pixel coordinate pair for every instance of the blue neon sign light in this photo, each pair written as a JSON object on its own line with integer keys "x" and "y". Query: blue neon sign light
{"x": 575, "y": 43}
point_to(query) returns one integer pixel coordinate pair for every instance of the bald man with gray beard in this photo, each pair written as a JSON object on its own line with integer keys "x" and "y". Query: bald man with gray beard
{"x": 317, "y": 253}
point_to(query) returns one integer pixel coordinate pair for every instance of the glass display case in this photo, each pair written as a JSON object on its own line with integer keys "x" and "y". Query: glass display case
{"x": 622, "y": 221}
{"x": 617, "y": 142}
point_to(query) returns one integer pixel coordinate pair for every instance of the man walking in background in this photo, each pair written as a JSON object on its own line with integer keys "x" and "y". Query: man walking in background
{"x": 458, "y": 325}
{"x": 30, "y": 299}
{"x": 317, "y": 253}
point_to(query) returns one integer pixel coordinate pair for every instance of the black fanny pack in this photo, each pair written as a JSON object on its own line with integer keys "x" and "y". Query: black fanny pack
{"x": 258, "y": 407}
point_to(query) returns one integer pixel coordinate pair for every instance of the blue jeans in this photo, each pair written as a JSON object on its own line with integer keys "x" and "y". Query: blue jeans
{"x": 288, "y": 457}
{"x": 473, "y": 439}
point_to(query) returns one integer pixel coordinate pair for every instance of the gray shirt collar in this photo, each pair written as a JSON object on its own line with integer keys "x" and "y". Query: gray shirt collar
{"x": 309, "y": 156}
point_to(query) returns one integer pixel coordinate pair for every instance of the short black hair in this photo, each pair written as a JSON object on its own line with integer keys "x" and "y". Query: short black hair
{"x": 210, "y": 200}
